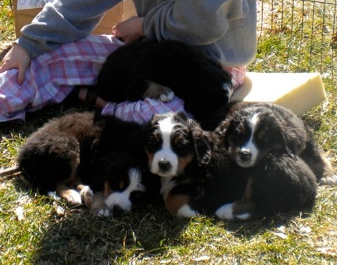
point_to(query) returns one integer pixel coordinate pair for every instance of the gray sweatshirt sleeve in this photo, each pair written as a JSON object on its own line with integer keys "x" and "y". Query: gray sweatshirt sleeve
{"x": 61, "y": 22}
{"x": 225, "y": 29}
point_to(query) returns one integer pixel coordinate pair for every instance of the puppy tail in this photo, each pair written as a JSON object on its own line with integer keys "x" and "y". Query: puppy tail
{"x": 9, "y": 171}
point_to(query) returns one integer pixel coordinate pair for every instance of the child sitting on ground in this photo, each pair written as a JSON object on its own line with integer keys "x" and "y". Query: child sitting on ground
{"x": 55, "y": 52}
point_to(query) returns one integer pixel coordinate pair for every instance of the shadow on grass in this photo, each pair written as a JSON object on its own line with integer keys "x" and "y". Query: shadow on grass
{"x": 249, "y": 229}
{"x": 80, "y": 237}
{"x": 150, "y": 232}
{"x": 74, "y": 235}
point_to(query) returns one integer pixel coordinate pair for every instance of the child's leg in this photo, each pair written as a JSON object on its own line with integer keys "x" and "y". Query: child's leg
{"x": 13, "y": 97}
{"x": 141, "y": 111}
{"x": 51, "y": 76}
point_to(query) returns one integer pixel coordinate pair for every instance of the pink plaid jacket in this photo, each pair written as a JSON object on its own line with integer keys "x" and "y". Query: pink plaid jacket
{"x": 52, "y": 76}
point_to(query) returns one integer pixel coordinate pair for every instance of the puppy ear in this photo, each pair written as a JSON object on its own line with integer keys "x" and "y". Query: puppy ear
{"x": 203, "y": 149}
{"x": 202, "y": 143}
{"x": 294, "y": 138}
{"x": 182, "y": 115}
{"x": 293, "y": 144}
{"x": 221, "y": 134}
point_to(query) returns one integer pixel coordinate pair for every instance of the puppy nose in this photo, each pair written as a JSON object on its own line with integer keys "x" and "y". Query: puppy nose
{"x": 164, "y": 165}
{"x": 245, "y": 155}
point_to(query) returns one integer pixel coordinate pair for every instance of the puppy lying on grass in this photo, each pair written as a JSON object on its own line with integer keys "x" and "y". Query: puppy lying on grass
{"x": 260, "y": 161}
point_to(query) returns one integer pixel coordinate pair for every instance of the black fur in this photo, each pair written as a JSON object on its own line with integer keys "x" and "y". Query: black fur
{"x": 60, "y": 150}
{"x": 193, "y": 77}
{"x": 291, "y": 133}
{"x": 101, "y": 150}
{"x": 83, "y": 148}
{"x": 281, "y": 179}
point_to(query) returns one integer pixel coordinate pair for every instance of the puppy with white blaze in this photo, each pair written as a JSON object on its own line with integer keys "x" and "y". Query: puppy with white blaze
{"x": 167, "y": 161}
{"x": 178, "y": 151}
{"x": 273, "y": 165}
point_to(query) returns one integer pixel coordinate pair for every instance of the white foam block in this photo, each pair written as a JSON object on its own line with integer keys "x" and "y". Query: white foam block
{"x": 296, "y": 91}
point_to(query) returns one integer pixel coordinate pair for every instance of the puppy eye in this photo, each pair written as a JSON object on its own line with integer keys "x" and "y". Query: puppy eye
{"x": 152, "y": 144}
{"x": 182, "y": 147}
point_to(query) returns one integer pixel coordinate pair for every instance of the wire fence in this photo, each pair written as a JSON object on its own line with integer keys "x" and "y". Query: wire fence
{"x": 297, "y": 36}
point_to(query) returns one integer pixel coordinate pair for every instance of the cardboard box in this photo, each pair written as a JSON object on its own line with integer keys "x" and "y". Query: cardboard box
{"x": 119, "y": 13}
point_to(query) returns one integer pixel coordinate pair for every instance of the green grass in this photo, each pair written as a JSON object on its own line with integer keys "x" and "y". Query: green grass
{"x": 7, "y": 33}
{"x": 51, "y": 232}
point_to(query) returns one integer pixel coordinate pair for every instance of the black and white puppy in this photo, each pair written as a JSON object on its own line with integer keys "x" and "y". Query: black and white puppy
{"x": 161, "y": 69}
{"x": 170, "y": 153}
{"x": 255, "y": 128}
{"x": 274, "y": 163}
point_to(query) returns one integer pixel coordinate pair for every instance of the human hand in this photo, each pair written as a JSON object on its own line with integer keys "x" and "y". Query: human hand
{"x": 18, "y": 58}
{"x": 129, "y": 30}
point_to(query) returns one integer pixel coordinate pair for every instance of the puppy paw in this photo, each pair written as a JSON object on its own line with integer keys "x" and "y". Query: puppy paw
{"x": 166, "y": 97}
{"x": 225, "y": 212}
{"x": 230, "y": 211}
{"x": 87, "y": 195}
{"x": 98, "y": 206}
{"x": 186, "y": 211}
{"x": 73, "y": 197}
{"x": 158, "y": 92}
{"x": 118, "y": 199}
{"x": 243, "y": 216}
{"x": 103, "y": 212}
{"x": 330, "y": 180}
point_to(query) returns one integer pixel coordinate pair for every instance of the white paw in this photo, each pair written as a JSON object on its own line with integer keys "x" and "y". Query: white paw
{"x": 105, "y": 212}
{"x": 225, "y": 212}
{"x": 119, "y": 199}
{"x": 165, "y": 97}
{"x": 87, "y": 195}
{"x": 186, "y": 211}
{"x": 244, "y": 216}
{"x": 330, "y": 180}
{"x": 73, "y": 197}
{"x": 86, "y": 191}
